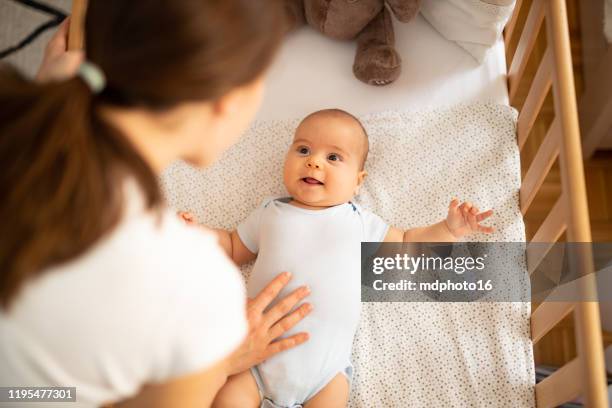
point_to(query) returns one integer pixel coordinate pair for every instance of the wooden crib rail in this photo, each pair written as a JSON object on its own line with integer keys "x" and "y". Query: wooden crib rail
{"x": 586, "y": 374}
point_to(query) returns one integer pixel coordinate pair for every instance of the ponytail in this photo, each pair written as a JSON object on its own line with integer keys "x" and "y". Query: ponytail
{"x": 60, "y": 186}
{"x": 63, "y": 166}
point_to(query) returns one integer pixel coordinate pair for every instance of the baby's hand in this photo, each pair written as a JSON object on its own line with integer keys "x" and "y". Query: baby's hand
{"x": 465, "y": 219}
{"x": 187, "y": 217}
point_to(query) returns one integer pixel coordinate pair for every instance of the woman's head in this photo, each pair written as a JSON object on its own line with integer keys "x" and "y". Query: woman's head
{"x": 206, "y": 57}
{"x": 192, "y": 66}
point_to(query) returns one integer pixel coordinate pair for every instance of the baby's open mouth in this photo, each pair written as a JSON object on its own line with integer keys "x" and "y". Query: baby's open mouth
{"x": 312, "y": 181}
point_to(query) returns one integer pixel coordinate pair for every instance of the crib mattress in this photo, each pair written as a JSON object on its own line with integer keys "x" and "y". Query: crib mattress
{"x": 313, "y": 72}
{"x": 405, "y": 354}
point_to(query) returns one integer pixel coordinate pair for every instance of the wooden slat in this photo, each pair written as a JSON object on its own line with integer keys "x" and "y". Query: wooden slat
{"x": 535, "y": 98}
{"x": 511, "y": 26}
{"x": 546, "y": 316}
{"x": 588, "y": 326}
{"x": 554, "y": 224}
{"x": 525, "y": 45}
{"x": 562, "y": 386}
{"x": 77, "y": 25}
{"x": 549, "y": 232}
{"x": 540, "y": 166}
{"x": 566, "y": 109}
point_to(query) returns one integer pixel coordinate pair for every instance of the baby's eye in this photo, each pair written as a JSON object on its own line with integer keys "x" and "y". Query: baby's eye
{"x": 303, "y": 150}
{"x": 334, "y": 157}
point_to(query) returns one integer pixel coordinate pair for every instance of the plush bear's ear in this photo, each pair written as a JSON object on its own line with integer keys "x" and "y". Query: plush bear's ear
{"x": 404, "y": 10}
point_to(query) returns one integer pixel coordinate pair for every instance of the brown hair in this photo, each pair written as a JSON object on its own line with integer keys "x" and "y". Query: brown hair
{"x": 63, "y": 165}
{"x": 339, "y": 113}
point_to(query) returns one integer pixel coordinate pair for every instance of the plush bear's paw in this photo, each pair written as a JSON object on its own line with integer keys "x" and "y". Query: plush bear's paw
{"x": 377, "y": 64}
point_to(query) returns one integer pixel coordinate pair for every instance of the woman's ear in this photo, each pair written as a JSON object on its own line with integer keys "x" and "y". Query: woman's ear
{"x": 360, "y": 178}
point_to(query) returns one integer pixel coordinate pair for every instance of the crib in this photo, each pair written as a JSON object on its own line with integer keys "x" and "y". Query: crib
{"x": 570, "y": 213}
{"x": 585, "y": 375}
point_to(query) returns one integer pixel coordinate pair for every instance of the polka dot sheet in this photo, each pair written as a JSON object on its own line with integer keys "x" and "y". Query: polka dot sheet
{"x": 405, "y": 354}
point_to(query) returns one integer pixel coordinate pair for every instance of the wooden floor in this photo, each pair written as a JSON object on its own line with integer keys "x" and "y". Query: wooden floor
{"x": 558, "y": 347}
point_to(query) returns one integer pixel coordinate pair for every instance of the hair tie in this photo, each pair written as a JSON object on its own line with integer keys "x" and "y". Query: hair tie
{"x": 93, "y": 76}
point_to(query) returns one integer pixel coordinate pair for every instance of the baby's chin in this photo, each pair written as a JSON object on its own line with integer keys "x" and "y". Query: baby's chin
{"x": 316, "y": 200}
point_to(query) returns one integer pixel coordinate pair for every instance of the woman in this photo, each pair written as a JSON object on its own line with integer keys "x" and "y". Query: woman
{"x": 101, "y": 287}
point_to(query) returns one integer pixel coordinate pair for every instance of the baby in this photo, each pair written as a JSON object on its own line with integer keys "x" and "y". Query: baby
{"x": 315, "y": 233}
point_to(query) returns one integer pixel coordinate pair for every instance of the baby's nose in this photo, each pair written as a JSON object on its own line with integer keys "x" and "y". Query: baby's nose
{"x": 312, "y": 165}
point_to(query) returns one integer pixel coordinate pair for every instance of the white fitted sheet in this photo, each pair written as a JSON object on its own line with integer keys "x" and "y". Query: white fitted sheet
{"x": 405, "y": 354}
{"x": 313, "y": 72}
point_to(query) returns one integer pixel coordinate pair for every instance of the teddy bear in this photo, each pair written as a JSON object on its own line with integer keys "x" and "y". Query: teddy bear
{"x": 368, "y": 21}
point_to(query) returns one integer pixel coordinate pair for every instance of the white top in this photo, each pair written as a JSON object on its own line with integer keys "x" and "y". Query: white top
{"x": 278, "y": 213}
{"x": 314, "y": 245}
{"x": 322, "y": 249}
{"x": 154, "y": 300}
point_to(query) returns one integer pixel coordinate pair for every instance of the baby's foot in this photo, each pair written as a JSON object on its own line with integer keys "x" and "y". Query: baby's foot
{"x": 377, "y": 65}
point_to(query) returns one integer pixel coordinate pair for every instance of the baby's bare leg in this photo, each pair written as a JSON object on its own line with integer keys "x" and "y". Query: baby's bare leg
{"x": 240, "y": 391}
{"x": 334, "y": 395}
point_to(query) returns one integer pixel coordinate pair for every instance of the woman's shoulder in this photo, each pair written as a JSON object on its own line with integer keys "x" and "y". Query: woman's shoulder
{"x": 162, "y": 247}
{"x": 157, "y": 236}
{"x": 158, "y": 298}
{"x": 147, "y": 255}
{"x": 166, "y": 232}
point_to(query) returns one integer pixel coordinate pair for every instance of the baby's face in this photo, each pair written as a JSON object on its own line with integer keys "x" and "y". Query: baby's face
{"x": 323, "y": 167}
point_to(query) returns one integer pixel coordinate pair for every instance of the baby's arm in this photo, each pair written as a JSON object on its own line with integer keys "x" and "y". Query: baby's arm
{"x": 462, "y": 220}
{"x": 229, "y": 241}
{"x": 233, "y": 246}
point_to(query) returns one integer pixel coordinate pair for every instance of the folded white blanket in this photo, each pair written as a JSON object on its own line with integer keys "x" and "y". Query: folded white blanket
{"x": 405, "y": 354}
{"x": 475, "y": 25}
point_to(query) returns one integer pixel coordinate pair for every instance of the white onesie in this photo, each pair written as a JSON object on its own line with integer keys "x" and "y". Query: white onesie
{"x": 321, "y": 248}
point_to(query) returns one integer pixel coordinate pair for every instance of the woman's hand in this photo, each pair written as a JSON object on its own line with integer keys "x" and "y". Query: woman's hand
{"x": 266, "y": 327}
{"x": 59, "y": 63}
